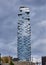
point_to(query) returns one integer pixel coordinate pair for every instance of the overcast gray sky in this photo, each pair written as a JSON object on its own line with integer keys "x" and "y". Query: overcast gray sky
{"x": 8, "y": 26}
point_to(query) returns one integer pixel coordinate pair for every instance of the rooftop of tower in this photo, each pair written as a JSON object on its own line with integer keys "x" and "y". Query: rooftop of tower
{"x": 25, "y": 9}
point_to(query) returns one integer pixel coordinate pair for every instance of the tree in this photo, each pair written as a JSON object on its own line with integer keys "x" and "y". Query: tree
{"x": 11, "y": 63}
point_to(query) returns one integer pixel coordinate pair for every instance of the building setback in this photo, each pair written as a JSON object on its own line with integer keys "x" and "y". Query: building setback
{"x": 24, "y": 34}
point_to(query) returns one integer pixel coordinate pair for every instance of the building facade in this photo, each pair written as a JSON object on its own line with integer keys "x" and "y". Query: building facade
{"x": 6, "y": 59}
{"x": 24, "y": 34}
{"x": 44, "y": 60}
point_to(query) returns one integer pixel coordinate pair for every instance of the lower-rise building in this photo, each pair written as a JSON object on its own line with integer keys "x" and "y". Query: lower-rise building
{"x": 44, "y": 60}
{"x": 6, "y": 59}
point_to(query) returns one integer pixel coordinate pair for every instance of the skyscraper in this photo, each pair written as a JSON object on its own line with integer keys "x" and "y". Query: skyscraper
{"x": 24, "y": 34}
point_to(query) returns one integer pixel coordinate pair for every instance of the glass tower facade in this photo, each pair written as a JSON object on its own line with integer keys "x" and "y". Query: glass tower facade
{"x": 24, "y": 34}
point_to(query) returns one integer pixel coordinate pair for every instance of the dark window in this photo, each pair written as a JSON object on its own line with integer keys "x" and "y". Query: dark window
{"x": 27, "y": 19}
{"x": 22, "y": 7}
{"x": 27, "y": 12}
{"x": 19, "y": 14}
{"x": 20, "y": 10}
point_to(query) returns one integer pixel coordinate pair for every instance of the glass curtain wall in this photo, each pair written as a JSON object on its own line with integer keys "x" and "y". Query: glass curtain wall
{"x": 24, "y": 34}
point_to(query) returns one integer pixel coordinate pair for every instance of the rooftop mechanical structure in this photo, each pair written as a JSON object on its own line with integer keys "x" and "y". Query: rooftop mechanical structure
{"x": 24, "y": 34}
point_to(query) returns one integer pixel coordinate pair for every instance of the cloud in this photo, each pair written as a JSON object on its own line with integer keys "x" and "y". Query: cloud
{"x": 35, "y": 3}
{"x": 8, "y": 27}
{"x": 42, "y": 23}
{"x": 39, "y": 42}
{"x": 38, "y": 27}
{"x": 8, "y": 51}
{"x": 39, "y": 47}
